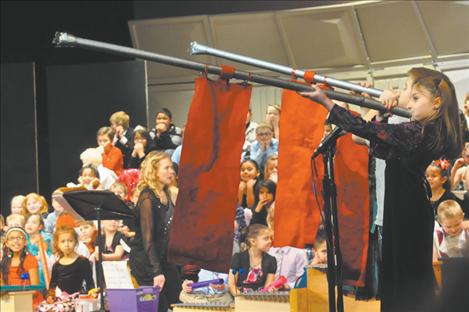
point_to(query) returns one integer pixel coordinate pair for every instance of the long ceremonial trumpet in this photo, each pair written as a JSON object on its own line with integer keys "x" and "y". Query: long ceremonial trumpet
{"x": 197, "y": 49}
{"x": 68, "y": 40}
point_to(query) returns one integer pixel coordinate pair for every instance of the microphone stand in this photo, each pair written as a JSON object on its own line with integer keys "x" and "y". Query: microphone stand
{"x": 334, "y": 256}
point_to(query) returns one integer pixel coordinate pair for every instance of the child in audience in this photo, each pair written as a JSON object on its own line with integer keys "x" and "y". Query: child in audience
{"x": 459, "y": 170}
{"x": 93, "y": 157}
{"x": 111, "y": 247}
{"x": 272, "y": 118}
{"x": 254, "y": 268}
{"x": 437, "y": 175}
{"x": 36, "y": 204}
{"x": 142, "y": 145}
{"x": 271, "y": 168}
{"x": 89, "y": 178}
{"x": 450, "y": 240}
{"x": 18, "y": 266}
{"x": 291, "y": 262}
{"x": 265, "y": 196}
{"x": 111, "y": 156}
{"x": 3, "y": 228}
{"x": 51, "y": 220}
{"x": 88, "y": 234}
{"x": 71, "y": 270}
{"x": 17, "y": 205}
{"x": 165, "y": 134}
{"x": 39, "y": 245}
{"x": 15, "y": 220}
{"x": 249, "y": 175}
{"x": 126, "y": 226}
{"x": 320, "y": 250}
{"x": 264, "y": 146}
{"x": 123, "y": 134}
{"x": 249, "y": 134}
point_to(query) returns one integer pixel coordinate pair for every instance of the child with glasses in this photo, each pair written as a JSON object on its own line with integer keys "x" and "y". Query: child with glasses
{"x": 264, "y": 146}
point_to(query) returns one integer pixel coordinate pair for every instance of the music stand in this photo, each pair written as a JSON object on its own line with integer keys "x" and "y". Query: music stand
{"x": 96, "y": 205}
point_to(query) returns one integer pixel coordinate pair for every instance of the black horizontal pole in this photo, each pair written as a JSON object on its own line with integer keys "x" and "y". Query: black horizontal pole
{"x": 68, "y": 40}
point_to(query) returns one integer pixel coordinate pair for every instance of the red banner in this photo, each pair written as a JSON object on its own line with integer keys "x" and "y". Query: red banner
{"x": 297, "y": 215}
{"x": 203, "y": 224}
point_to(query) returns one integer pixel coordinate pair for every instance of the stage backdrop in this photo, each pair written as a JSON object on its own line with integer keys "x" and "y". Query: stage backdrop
{"x": 80, "y": 99}
{"x": 19, "y": 140}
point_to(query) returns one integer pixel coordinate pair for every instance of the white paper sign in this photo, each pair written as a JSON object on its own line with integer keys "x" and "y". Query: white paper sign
{"x": 117, "y": 275}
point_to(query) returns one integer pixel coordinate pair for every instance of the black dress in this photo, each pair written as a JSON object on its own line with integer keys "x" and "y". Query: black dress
{"x": 407, "y": 279}
{"x": 70, "y": 277}
{"x": 150, "y": 245}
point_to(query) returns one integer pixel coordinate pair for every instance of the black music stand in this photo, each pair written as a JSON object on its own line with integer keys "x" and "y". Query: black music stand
{"x": 98, "y": 205}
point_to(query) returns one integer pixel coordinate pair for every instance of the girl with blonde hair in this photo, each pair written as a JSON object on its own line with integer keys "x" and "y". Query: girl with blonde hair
{"x": 153, "y": 216}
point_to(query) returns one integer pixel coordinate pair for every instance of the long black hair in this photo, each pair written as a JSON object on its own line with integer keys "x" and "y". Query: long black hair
{"x": 267, "y": 184}
{"x": 8, "y": 256}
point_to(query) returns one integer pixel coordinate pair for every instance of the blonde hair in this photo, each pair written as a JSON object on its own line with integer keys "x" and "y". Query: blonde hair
{"x": 276, "y": 107}
{"x": 149, "y": 170}
{"x": 44, "y": 206}
{"x": 118, "y": 186}
{"x": 271, "y": 158}
{"x": 271, "y": 217}
{"x": 449, "y": 209}
{"x": 120, "y": 118}
{"x": 263, "y": 125}
{"x": 23, "y": 203}
{"x": 16, "y": 220}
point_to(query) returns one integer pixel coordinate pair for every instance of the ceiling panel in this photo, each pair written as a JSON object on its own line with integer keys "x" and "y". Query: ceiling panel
{"x": 323, "y": 38}
{"x": 392, "y": 31}
{"x": 446, "y": 23}
{"x": 365, "y": 35}
{"x": 252, "y": 34}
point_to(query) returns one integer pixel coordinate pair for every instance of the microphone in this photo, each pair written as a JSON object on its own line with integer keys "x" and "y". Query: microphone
{"x": 334, "y": 135}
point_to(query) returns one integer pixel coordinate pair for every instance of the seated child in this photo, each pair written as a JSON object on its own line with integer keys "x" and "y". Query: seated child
{"x": 71, "y": 270}
{"x": 17, "y": 205}
{"x": 254, "y": 268}
{"x": 39, "y": 245}
{"x": 36, "y": 204}
{"x": 18, "y": 266}
{"x": 15, "y": 220}
{"x": 112, "y": 249}
{"x": 320, "y": 250}
{"x": 450, "y": 240}
{"x": 88, "y": 234}
{"x": 265, "y": 197}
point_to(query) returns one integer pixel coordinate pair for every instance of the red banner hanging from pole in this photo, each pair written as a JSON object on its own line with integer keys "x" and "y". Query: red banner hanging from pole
{"x": 202, "y": 231}
{"x": 297, "y": 215}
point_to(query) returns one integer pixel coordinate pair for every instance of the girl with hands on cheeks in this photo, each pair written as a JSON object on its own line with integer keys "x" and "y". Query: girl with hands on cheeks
{"x": 249, "y": 175}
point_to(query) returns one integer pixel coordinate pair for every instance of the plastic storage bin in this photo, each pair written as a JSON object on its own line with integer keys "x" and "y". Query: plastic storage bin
{"x": 142, "y": 299}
